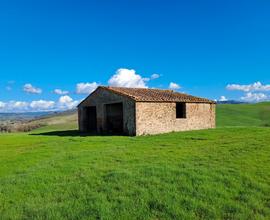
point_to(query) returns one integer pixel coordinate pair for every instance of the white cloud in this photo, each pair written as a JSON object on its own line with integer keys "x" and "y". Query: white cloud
{"x": 255, "y": 97}
{"x": 146, "y": 79}
{"x": 42, "y": 105}
{"x": 19, "y": 104}
{"x": 2, "y": 105}
{"x": 86, "y": 88}
{"x": 127, "y": 78}
{"x": 65, "y": 99}
{"x": 14, "y": 106}
{"x": 223, "y": 98}
{"x": 31, "y": 89}
{"x": 257, "y": 86}
{"x": 66, "y": 102}
{"x": 174, "y": 86}
{"x": 155, "y": 76}
{"x": 60, "y": 92}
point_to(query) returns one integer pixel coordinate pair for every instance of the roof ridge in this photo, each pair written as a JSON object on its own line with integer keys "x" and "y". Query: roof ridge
{"x": 155, "y": 95}
{"x": 145, "y": 88}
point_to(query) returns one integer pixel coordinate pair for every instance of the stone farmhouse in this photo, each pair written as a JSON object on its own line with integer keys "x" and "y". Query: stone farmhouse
{"x": 142, "y": 111}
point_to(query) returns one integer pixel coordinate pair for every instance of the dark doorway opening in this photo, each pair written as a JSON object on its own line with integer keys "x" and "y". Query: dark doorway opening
{"x": 90, "y": 120}
{"x": 114, "y": 117}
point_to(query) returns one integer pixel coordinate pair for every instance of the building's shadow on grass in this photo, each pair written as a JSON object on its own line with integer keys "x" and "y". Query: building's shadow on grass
{"x": 73, "y": 133}
{"x": 67, "y": 133}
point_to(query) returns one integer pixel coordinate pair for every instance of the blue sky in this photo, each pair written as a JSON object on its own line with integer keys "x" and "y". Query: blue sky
{"x": 202, "y": 46}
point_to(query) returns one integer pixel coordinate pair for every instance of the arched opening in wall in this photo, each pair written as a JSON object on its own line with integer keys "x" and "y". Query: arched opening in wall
{"x": 114, "y": 118}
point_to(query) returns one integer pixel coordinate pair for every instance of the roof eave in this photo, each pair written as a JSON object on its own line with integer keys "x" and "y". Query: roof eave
{"x": 160, "y": 101}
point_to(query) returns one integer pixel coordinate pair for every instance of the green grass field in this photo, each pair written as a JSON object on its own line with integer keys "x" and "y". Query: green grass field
{"x": 244, "y": 115}
{"x": 223, "y": 173}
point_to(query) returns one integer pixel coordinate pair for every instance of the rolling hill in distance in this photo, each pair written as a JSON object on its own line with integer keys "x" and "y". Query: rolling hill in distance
{"x": 243, "y": 114}
{"x": 24, "y": 116}
{"x": 24, "y": 122}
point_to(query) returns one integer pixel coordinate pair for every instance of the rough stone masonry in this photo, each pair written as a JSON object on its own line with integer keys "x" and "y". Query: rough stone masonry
{"x": 142, "y": 111}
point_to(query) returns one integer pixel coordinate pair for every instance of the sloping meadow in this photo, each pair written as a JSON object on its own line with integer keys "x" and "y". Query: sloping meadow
{"x": 222, "y": 173}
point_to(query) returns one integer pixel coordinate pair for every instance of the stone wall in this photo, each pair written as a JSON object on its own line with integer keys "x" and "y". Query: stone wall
{"x": 100, "y": 98}
{"x": 155, "y": 118}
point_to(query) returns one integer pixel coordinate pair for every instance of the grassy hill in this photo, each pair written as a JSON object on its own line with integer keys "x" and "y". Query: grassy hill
{"x": 243, "y": 114}
{"x": 54, "y": 173}
{"x": 210, "y": 174}
{"x": 28, "y": 122}
{"x": 61, "y": 121}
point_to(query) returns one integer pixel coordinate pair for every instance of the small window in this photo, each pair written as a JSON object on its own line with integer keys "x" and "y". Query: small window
{"x": 180, "y": 110}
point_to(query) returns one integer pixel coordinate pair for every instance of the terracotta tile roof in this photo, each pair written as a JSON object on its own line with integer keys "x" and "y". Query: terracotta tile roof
{"x": 155, "y": 95}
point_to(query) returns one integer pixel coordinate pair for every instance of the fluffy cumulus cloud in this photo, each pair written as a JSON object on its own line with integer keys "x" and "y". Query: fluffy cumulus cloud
{"x": 86, "y": 88}
{"x": 60, "y": 92}
{"x": 63, "y": 103}
{"x": 255, "y": 97}
{"x": 66, "y": 102}
{"x": 155, "y": 76}
{"x": 19, "y": 105}
{"x": 223, "y": 98}
{"x": 257, "y": 86}
{"x": 127, "y": 78}
{"x": 15, "y": 106}
{"x": 174, "y": 86}
{"x": 42, "y": 105}
{"x": 31, "y": 89}
{"x": 2, "y": 105}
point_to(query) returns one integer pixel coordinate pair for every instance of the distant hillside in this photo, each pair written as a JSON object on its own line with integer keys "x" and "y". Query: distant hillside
{"x": 231, "y": 102}
{"x": 29, "y": 121}
{"x": 243, "y": 114}
{"x": 61, "y": 121}
{"x": 23, "y": 116}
